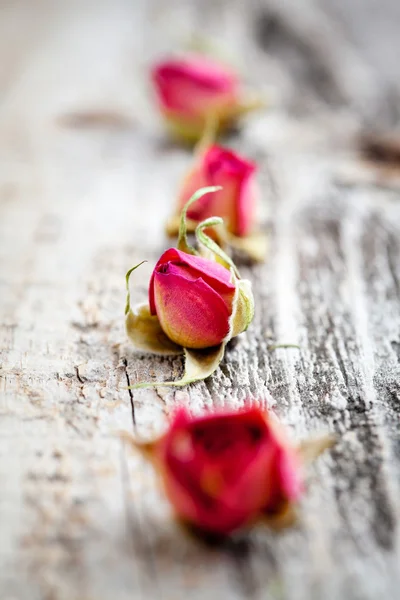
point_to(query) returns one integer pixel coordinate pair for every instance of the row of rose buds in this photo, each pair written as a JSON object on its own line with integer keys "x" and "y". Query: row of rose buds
{"x": 223, "y": 470}
{"x": 197, "y": 300}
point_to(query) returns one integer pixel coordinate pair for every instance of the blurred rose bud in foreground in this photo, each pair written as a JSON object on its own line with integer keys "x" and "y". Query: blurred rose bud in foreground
{"x": 226, "y": 470}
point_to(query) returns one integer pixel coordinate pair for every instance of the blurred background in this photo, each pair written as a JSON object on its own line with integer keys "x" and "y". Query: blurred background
{"x": 74, "y": 82}
{"x": 84, "y": 56}
{"x": 78, "y": 69}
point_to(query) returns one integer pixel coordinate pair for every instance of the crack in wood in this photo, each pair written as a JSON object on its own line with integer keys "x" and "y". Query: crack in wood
{"x": 131, "y": 399}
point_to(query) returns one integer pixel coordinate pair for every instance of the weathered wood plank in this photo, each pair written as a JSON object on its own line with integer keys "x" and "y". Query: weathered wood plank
{"x": 85, "y": 184}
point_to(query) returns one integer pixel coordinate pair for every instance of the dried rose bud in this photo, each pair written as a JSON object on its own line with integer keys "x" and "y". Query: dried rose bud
{"x": 196, "y": 303}
{"x": 226, "y": 470}
{"x": 193, "y": 89}
{"x": 236, "y": 202}
{"x": 193, "y": 299}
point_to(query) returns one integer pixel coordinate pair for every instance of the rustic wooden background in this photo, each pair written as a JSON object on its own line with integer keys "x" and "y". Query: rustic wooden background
{"x": 86, "y": 179}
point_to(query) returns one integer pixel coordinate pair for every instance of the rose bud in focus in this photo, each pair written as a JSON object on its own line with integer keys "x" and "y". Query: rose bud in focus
{"x": 223, "y": 471}
{"x": 195, "y": 89}
{"x": 236, "y": 202}
{"x": 193, "y": 298}
{"x": 197, "y": 302}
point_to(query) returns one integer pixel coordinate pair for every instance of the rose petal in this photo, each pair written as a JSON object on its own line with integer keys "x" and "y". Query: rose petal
{"x": 191, "y": 313}
{"x": 214, "y": 274}
{"x": 200, "y": 488}
{"x": 189, "y": 87}
{"x": 246, "y": 205}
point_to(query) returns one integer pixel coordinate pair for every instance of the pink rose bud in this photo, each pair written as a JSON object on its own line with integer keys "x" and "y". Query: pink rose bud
{"x": 193, "y": 298}
{"x": 191, "y": 89}
{"x": 223, "y": 471}
{"x": 236, "y": 202}
{"x": 197, "y": 302}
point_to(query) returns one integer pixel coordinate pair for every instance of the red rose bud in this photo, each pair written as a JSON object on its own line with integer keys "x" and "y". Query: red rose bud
{"x": 193, "y": 298}
{"x": 190, "y": 90}
{"x": 236, "y": 202}
{"x": 223, "y": 471}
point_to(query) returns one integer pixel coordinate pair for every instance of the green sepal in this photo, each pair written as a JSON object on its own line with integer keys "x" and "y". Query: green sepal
{"x": 183, "y": 243}
{"x": 128, "y": 294}
{"x": 209, "y": 243}
{"x": 242, "y": 307}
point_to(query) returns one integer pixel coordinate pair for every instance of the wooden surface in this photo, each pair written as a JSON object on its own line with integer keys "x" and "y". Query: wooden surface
{"x": 86, "y": 180}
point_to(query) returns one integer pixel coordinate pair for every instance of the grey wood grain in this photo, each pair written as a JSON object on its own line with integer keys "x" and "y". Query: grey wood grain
{"x": 86, "y": 180}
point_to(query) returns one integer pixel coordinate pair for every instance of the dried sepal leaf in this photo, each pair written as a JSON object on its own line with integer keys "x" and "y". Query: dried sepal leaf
{"x": 199, "y": 364}
{"x": 183, "y": 243}
{"x": 243, "y": 310}
{"x": 145, "y": 448}
{"x": 285, "y": 516}
{"x": 172, "y": 226}
{"x": 253, "y": 246}
{"x": 214, "y": 250}
{"x": 145, "y": 332}
{"x": 309, "y": 450}
{"x": 128, "y": 294}
{"x": 144, "y": 329}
